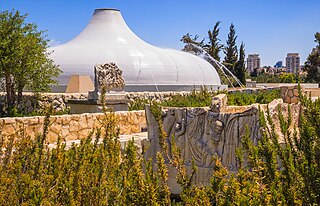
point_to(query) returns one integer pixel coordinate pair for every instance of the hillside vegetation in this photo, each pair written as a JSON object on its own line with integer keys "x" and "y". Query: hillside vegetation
{"x": 103, "y": 174}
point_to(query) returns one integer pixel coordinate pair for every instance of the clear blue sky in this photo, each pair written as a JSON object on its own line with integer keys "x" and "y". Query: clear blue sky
{"x": 271, "y": 28}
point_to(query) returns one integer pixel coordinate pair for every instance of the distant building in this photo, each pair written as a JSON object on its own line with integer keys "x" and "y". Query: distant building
{"x": 253, "y": 62}
{"x": 293, "y": 63}
{"x": 279, "y": 64}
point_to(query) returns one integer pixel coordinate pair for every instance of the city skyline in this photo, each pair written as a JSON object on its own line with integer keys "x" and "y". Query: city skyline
{"x": 272, "y": 29}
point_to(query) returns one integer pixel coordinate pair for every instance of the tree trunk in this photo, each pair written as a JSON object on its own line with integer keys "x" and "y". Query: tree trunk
{"x": 19, "y": 96}
{"x": 9, "y": 93}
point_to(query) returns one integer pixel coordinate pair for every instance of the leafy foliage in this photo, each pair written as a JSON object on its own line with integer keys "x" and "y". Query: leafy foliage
{"x": 312, "y": 65}
{"x": 261, "y": 97}
{"x": 99, "y": 172}
{"x": 24, "y": 59}
{"x": 281, "y": 78}
{"x": 203, "y": 98}
{"x": 230, "y": 50}
{"x": 214, "y": 47}
{"x": 240, "y": 67}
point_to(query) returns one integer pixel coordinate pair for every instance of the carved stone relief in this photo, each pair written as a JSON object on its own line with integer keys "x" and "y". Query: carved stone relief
{"x": 201, "y": 133}
{"x": 108, "y": 75}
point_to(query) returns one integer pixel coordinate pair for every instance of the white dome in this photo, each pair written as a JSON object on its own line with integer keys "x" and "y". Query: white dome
{"x": 107, "y": 38}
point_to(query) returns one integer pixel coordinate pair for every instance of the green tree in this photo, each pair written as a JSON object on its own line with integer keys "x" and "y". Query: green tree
{"x": 190, "y": 41}
{"x": 231, "y": 50}
{"x": 287, "y": 78}
{"x": 214, "y": 47}
{"x": 24, "y": 61}
{"x": 312, "y": 65}
{"x": 240, "y": 68}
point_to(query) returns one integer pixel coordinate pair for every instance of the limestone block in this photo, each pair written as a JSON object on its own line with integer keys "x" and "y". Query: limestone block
{"x": 38, "y": 129}
{"x": 72, "y": 136}
{"x": 56, "y": 128}
{"x": 294, "y": 100}
{"x": 41, "y": 120}
{"x": 83, "y": 122}
{"x": 8, "y": 130}
{"x": 296, "y": 92}
{"x": 52, "y": 137}
{"x": 52, "y": 119}
{"x": 97, "y": 123}
{"x": 125, "y": 130}
{"x": 59, "y": 119}
{"x": 274, "y": 104}
{"x": 290, "y": 92}
{"x": 30, "y": 131}
{"x": 66, "y": 119}
{"x": 134, "y": 129}
{"x": 89, "y": 120}
{"x": 83, "y": 133}
{"x": 75, "y": 117}
{"x": 61, "y": 100}
{"x": 33, "y": 121}
{"x": 64, "y": 131}
{"x": 287, "y": 99}
{"x": 283, "y": 89}
{"x": 9, "y": 120}
{"x": 74, "y": 126}
{"x": 134, "y": 119}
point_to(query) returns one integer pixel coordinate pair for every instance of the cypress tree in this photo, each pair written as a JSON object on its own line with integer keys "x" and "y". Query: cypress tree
{"x": 214, "y": 47}
{"x": 231, "y": 50}
{"x": 240, "y": 69}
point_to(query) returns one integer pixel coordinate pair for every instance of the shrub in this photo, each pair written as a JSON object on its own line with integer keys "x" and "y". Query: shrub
{"x": 261, "y": 97}
{"x": 98, "y": 172}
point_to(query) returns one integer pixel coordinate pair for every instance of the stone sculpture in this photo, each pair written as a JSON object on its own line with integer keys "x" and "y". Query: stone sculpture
{"x": 108, "y": 75}
{"x": 201, "y": 133}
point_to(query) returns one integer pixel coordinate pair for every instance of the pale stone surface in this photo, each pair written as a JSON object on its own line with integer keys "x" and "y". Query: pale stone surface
{"x": 8, "y": 130}
{"x": 72, "y": 127}
{"x": 219, "y": 103}
{"x": 79, "y": 84}
{"x": 107, "y": 75}
{"x": 201, "y": 133}
{"x": 290, "y": 94}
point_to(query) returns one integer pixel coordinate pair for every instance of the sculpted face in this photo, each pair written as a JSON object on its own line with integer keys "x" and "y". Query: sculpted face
{"x": 214, "y": 128}
{"x": 218, "y": 128}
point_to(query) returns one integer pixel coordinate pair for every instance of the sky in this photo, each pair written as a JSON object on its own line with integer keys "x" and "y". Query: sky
{"x": 270, "y": 28}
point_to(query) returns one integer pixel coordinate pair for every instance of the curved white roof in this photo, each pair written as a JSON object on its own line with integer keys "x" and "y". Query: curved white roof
{"x": 107, "y": 38}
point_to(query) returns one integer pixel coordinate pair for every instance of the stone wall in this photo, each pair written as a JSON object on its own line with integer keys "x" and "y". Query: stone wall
{"x": 60, "y": 100}
{"x": 290, "y": 94}
{"x": 200, "y": 133}
{"x": 70, "y": 127}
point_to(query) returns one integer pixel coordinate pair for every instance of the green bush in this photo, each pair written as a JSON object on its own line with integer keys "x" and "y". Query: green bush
{"x": 261, "y": 97}
{"x": 201, "y": 98}
{"x": 93, "y": 173}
